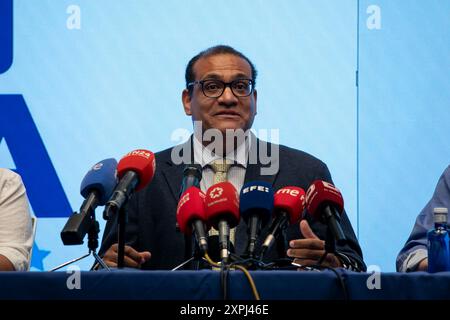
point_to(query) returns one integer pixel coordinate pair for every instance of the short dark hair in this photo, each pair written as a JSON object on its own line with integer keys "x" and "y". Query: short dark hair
{"x": 212, "y": 51}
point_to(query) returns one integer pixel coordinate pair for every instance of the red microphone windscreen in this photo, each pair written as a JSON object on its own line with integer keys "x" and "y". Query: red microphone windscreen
{"x": 291, "y": 200}
{"x": 321, "y": 193}
{"x": 222, "y": 202}
{"x": 190, "y": 207}
{"x": 140, "y": 161}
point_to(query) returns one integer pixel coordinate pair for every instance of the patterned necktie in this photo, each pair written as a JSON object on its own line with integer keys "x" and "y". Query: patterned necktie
{"x": 220, "y": 168}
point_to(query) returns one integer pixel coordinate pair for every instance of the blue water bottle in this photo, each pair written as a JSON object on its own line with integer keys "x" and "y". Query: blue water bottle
{"x": 438, "y": 242}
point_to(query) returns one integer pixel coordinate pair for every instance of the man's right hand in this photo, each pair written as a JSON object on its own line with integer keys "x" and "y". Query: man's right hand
{"x": 423, "y": 265}
{"x": 132, "y": 259}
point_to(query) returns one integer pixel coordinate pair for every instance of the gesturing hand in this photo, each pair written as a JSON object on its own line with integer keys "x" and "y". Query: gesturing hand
{"x": 132, "y": 259}
{"x": 309, "y": 250}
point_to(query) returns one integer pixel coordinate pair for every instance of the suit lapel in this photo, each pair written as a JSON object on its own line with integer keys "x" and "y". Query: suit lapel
{"x": 173, "y": 173}
{"x": 253, "y": 172}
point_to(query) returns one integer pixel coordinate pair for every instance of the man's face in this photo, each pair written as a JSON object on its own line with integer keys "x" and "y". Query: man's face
{"x": 226, "y": 111}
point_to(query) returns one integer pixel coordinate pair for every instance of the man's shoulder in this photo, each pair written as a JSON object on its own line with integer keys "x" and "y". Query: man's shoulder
{"x": 446, "y": 173}
{"x": 10, "y": 184}
{"x": 296, "y": 153}
{"x": 295, "y": 156}
{"x": 174, "y": 154}
{"x": 8, "y": 177}
{"x": 7, "y": 174}
{"x": 443, "y": 185}
{"x": 164, "y": 155}
{"x": 291, "y": 162}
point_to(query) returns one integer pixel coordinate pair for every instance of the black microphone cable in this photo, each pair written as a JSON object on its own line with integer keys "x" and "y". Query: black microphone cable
{"x": 340, "y": 279}
{"x": 224, "y": 274}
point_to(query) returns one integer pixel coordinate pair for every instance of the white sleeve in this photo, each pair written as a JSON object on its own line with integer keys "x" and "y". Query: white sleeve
{"x": 16, "y": 238}
{"x": 413, "y": 259}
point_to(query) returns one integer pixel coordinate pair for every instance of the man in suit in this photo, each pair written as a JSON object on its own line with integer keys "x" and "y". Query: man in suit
{"x": 220, "y": 95}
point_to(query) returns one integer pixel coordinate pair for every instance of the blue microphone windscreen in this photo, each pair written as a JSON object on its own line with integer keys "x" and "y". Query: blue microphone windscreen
{"x": 256, "y": 197}
{"x": 101, "y": 178}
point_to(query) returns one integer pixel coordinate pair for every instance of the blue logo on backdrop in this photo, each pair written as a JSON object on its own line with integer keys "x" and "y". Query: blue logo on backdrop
{"x": 44, "y": 189}
{"x": 6, "y": 34}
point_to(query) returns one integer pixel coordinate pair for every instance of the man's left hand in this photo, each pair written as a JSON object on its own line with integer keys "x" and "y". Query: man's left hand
{"x": 308, "y": 251}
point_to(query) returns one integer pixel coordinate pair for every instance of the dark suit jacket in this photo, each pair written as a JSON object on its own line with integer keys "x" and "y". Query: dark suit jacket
{"x": 152, "y": 211}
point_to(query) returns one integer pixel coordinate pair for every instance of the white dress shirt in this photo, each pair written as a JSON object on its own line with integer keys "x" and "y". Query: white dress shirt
{"x": 238, "y": 158}
{"x": 16, "y": 238}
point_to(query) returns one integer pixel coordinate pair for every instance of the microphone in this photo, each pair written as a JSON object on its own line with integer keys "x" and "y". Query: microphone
{"x": 96, "y": 187}
{"x": 135, "y": 170}
{"x": 222, "y": 212}
{"x": 256, "y": 204}
{"x": 192, "y": 174}
{"x": 191, "y": 216}
{"x": 289, "y": 203}
{"x": 325, "y": 204}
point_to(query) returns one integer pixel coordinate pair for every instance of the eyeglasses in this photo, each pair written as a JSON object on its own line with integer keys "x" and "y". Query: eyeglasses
{"x": 213, "y": 88}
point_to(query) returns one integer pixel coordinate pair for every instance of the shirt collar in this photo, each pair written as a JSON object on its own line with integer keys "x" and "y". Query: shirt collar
{"x": 204, "y": 156}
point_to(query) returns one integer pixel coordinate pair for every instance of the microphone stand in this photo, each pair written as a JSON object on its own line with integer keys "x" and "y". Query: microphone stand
{"x": 93, "y": 232}
{"x": 191, "y": 254}
{"x": 195, "y": 254}
{"x": 281, "y": 243}
{"x": 330, "y": 246}
{"x": 93, "y": 243}
{"x": 122, "y": 220}
{"x": 188, "y": 253}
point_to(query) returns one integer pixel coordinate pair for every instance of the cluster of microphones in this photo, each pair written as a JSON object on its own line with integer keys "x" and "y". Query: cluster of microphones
{"x": 112, "y": 184}
{"x": 221, "y": 208}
